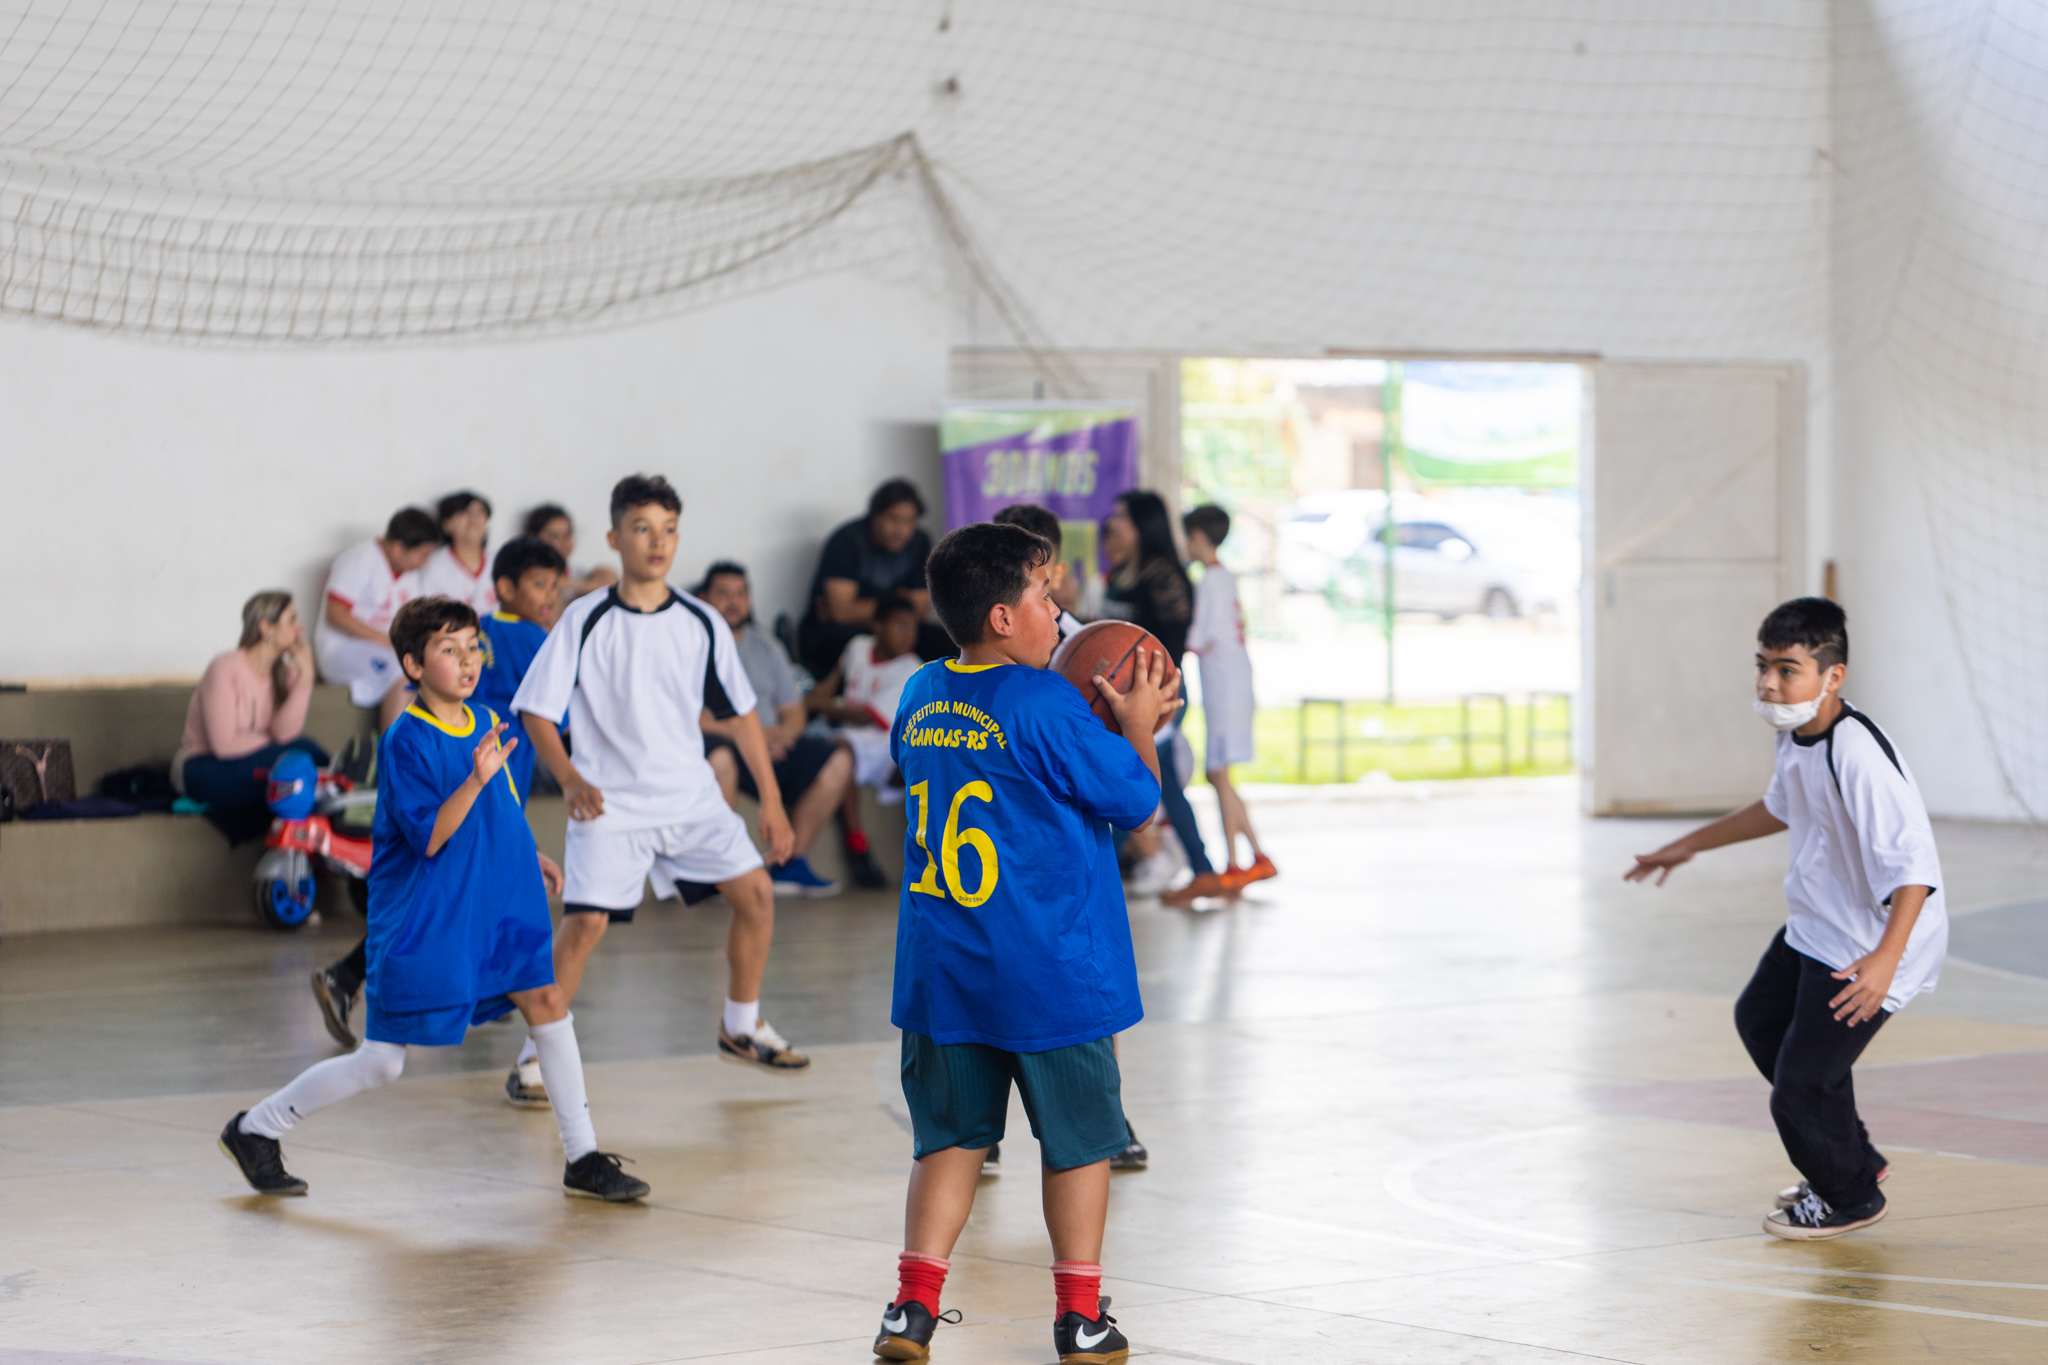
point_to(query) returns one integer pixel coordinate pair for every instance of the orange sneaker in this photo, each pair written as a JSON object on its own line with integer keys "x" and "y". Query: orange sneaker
{"x": 1207, "y": 884}
{"x": 1262, "y": 869}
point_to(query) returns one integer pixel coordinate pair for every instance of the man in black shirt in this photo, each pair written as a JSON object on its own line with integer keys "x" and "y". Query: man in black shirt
{"x": 868, "y": 557}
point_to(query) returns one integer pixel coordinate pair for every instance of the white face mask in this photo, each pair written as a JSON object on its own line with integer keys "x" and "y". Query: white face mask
{"x": 1790, "y": 715}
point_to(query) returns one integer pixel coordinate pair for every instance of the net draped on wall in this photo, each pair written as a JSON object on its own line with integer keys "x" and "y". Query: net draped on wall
{"x": 1857, "y": 184}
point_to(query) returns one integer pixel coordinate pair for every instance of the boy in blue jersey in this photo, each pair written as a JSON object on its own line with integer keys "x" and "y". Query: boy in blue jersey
{"x": 459, "y": 929}
{"x": 1013, "y": 946}
{"x": 528, "y": 575}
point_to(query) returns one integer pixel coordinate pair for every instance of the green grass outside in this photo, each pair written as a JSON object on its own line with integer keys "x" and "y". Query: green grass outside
{"x": 1407, "y": 742}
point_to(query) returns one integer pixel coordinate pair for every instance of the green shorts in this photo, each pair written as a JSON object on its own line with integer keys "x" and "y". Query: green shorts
{"x": 959, "y": 1096}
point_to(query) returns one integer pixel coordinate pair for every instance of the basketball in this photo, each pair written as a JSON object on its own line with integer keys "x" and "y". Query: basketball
{"x": 1106, "y": 649}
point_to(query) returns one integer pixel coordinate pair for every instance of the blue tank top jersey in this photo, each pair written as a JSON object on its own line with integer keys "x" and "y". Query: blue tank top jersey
{"x": 509, "y": 642}
{"x": 1012, "y": 930}
{"x": 471, "y": 922}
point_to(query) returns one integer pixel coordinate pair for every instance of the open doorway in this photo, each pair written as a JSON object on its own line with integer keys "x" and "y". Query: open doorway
{"x": 1442, "y": 644}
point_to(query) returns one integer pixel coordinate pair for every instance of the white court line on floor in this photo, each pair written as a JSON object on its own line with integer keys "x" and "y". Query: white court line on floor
{"x": 1767, "y": 1292}
{"x": 1400, "y": 1183}
{"x": 1866, "y": 1274}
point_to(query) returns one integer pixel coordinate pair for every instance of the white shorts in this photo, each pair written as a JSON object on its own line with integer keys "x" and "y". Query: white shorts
{"x": 608, "y": 869}
{"x": 367, "y": 666}
{"x": 872, "y": 765}
{"x": 1228, "y": 748}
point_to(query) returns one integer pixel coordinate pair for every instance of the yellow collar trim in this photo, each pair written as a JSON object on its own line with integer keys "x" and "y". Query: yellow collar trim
{"x": 443, "y": 726}
{"x": 507, "y": 617}
{"x": 959, "y": 667}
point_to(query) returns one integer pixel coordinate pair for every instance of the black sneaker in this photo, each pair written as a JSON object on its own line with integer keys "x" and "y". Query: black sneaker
{"x": 861, "y": 868}
{"x": 596, "y": 1175}
{"x": 524, "y": 1088}
{"x": 992, "y": 1160}
{"x": 1132, "y": 1158}
{"x": 1089, "y": 1341}
{"x": 1811, "y": 1220}
{"x": 1792, "y": 1194}
{"x": 335, "y": 1005}
{"x": 907, "y": 1330}
{"x": 259, "y": 1159}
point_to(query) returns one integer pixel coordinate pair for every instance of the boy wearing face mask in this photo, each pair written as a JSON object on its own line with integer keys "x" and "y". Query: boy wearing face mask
{"x": 1866, "y": 928}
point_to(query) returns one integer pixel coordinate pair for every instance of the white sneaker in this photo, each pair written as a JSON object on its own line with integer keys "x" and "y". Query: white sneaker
{"x": 1154, "y": 874}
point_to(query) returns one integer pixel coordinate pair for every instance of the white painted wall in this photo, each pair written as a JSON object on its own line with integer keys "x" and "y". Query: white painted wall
{"x": 151, "y": 488}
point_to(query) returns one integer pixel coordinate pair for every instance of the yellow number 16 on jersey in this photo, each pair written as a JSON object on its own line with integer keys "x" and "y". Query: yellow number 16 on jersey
{"x": 949, "y": 847}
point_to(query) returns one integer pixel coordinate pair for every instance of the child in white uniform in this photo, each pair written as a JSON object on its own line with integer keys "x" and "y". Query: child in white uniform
{"x": 859, "y": 697}
{"x": 366, "y": 586}
{"x": 461, "y": 567}
{"x": 635, "y": 666}
{"x": 1866, "y": 928}
{"x": 1216, "y": 638}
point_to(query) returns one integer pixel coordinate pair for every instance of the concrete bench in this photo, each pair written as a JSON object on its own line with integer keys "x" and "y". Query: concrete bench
{"x": 178, "y": 869}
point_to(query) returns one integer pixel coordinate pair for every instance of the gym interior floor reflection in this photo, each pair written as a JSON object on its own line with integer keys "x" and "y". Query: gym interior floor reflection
{"x": 1447, "y": 1091}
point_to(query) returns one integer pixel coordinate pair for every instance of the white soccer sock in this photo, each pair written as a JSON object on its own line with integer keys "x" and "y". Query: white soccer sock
{"x": 742, "y": 1017}
{"x": 329, "y": 1082}
{"x": 561, "y": 1071}
{"x": 527, "y": 1051}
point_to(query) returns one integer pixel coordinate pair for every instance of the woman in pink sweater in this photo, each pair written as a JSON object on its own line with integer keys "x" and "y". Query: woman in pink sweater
{"x": 246, "y": 714}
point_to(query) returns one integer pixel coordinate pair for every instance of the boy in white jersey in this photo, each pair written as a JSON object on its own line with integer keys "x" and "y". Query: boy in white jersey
{"x": 635, "y": 666}
{"x": 366, "y": 586}
{"x": 1866, "y": 928}
{"x": 1216, "y": 637}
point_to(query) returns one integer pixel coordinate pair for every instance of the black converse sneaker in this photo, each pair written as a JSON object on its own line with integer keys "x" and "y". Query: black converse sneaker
{"x": 259, "y": 1159}
{"x": 1089, "y": 1341}
{"x": 1792, "y": 1194}
{"x": 335, "y": 1005}
{"x": 596, "y": 1175}
{"x": 907, "y": 1330}
{"x": 1811, "y": 1220}
{"x": 1133, "y": 1157}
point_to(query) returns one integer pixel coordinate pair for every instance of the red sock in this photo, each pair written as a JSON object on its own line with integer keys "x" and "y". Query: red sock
{"x": 856, "y": 841}
{"x": 1077, "y": 1286}
{"x": 920, "y": 1277}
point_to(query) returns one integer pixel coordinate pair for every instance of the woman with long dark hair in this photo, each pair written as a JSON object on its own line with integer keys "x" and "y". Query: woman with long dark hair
{"x": 1149, "y": 587}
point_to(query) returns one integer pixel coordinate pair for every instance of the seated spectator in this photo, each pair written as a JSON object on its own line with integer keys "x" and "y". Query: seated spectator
{"x": 1046, "y": 526}
{"x": 366, "y": 586}
{"x": 812, "y": 772}
{"x": 551, "y": 523}
{"x": 881, "y": 552}
{"x": 859, "y": 697}
{"x": 460, "y": 569}
{"x": 246, "y": 714}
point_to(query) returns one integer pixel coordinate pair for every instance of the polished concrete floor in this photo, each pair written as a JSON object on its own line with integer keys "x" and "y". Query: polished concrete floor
{"x": 1449, "y": 1091}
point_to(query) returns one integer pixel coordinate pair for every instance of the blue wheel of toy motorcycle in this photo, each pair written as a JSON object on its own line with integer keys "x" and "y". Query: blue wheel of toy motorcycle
{"x": 283, "y": 904}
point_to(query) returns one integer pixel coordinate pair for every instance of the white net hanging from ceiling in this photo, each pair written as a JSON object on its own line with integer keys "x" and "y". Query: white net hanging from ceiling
{"x": 1861, "y": 187}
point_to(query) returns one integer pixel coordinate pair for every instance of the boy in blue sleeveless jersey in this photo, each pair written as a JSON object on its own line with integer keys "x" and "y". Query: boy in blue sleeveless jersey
{"x": 1013, "y": 945}
{"x": 459, "y": 929}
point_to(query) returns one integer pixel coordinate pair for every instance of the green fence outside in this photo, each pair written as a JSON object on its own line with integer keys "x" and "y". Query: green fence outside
{"x": 1482, "y": 735}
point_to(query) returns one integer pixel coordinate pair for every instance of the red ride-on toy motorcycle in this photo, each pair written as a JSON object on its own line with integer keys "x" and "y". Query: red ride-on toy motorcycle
{"x": 319, "y": 820}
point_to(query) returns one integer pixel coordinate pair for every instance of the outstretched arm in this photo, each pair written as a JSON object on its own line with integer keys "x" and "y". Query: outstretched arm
{"x": 1753, "y": 821}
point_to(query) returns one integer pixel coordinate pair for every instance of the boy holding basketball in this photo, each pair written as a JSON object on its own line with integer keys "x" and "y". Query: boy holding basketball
{"x": 1013, "y": 947}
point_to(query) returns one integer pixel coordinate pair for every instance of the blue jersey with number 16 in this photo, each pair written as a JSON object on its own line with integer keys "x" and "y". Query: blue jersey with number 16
{"x": 1012, "y": 930}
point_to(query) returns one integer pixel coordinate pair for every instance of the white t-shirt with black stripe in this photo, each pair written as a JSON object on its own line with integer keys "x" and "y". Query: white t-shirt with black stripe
{"x": 1859, "y": 832}
{"x": 634, "y": 684}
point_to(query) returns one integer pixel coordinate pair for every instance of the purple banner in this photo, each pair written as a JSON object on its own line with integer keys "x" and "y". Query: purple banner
{"x": 1071, "y": 461}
